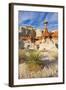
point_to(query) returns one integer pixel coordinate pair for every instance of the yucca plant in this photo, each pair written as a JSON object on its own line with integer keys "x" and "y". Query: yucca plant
{"x": 33, "y": 61}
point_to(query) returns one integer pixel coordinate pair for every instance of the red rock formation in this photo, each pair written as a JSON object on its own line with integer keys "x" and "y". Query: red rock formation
{"x": 45, "y": 33}
{"x": 54, "y": 34}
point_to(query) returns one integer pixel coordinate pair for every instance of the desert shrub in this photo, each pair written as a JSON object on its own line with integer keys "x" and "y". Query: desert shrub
{"x": 33, "y": 61}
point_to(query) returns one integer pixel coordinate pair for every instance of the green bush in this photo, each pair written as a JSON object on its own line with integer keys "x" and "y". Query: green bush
{"x": 33, "y": 61}
{"x": 34, "y": 57}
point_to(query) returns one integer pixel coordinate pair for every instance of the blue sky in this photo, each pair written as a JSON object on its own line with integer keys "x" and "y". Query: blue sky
{"x": 36, "y": 19}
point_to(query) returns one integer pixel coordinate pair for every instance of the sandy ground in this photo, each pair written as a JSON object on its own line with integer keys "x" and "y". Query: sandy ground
{"x": 50, "y": 68}
{"x": 49, "y": 59}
